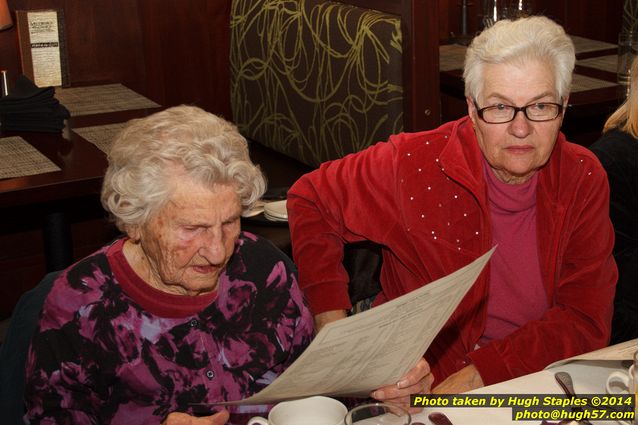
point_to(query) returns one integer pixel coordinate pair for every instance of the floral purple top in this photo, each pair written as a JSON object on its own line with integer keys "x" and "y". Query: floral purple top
{"x": 110, "y": 349}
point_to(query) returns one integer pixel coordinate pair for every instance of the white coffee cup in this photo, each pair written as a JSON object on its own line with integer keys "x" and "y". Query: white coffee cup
{"x": 317, "y": 410}
{"x": 620, "y": 382}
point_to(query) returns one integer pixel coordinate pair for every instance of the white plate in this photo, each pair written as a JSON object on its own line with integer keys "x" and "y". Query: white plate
{"x": 276, "y": 210}
{"x": 258, "y": 208}
{"x": 269, "y": 218}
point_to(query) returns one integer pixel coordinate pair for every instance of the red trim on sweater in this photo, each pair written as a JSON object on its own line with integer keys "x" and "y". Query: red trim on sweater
{"x": 149, "y": 298}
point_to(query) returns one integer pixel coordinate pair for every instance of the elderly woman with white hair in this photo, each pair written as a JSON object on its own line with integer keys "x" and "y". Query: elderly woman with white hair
{"x": 503, "y": 176}
{"x": 185, "y": 309}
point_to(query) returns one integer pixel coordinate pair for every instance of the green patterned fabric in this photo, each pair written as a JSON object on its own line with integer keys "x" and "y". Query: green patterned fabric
{"x": 315, "y": 80}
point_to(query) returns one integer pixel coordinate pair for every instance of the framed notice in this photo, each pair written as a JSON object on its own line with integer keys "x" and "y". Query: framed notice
{"x": 43, "y": 46}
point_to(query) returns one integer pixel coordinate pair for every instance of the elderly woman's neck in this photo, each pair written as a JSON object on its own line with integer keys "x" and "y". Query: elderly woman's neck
{"x": 508, "y": 178}
{"x": 145, "y": 270}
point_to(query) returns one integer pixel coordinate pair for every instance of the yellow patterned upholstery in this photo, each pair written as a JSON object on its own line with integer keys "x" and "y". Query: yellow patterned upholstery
{"x": 314, "y": 79}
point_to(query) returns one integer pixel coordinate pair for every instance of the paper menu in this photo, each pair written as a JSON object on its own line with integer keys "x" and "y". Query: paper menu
{"x": 43, "y": 46}
{"x": 356, "y": 355}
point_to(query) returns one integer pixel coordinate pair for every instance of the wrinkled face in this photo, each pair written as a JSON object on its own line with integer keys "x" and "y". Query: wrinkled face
{"x": 517, "y": 149}
{"x": 189, "y": 242}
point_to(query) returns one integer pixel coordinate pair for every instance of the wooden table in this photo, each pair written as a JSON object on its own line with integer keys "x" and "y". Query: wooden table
{"x": 82, "y": 167}
{"x": 588, "y": 376}
{"x": 588, "y": 109}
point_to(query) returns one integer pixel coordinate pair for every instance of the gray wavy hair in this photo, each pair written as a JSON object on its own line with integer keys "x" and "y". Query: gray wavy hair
{"x": 516, "y": 42}
{"x": 145, "y": 155}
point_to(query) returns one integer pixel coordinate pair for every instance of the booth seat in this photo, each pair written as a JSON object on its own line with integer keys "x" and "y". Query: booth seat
{"x": 315, "y": 80}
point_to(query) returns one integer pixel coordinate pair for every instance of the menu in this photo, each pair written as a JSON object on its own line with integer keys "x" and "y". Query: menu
{"x": 42, "y": 46}
{"x": 358, "y": 354}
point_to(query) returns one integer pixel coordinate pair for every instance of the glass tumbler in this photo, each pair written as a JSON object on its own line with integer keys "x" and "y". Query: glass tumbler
{"x": 627, "y": 50}
{"x": 378, "y": 414}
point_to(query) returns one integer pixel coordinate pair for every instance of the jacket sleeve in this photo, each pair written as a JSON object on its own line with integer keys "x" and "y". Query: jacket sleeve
{"x": 584, "y": 277}
{"x": 347, "y": 200}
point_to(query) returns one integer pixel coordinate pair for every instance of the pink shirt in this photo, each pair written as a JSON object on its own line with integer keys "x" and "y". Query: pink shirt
{"x": 516, "y": 294}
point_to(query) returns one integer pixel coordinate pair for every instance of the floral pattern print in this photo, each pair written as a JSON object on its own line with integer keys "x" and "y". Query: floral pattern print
{"x": 98, "y": 357}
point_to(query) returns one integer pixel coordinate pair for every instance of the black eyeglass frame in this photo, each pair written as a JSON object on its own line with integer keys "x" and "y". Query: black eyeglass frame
{"x": 517, "y": 109}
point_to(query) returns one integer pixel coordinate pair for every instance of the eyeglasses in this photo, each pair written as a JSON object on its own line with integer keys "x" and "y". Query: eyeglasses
{"x": 538, "y": 112}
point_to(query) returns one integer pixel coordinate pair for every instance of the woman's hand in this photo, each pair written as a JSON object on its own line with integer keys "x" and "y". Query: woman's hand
{"x": 322, "y": 319}
{"x": 417, "y": 381}
{"x": 464, "y": 380}
{"x": 177, "y": 418}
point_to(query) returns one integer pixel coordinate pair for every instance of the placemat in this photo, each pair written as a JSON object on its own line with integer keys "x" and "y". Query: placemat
{"x": 606, "y": 63}
{"x": 101, "y": 135}
{"x": 18, "y": 159}
{"x": 583, "y": 45}
{"x": 100, "y": 99}
{"x": 582, "y": 83}
{"x": 451, "y": 56}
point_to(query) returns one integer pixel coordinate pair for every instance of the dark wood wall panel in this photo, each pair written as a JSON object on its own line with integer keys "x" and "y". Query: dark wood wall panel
{"x": 600, "y": 20}
{"x": 187, "y": 44}
{"x": 105, "y": 42}
{"x": 595, "y": 19}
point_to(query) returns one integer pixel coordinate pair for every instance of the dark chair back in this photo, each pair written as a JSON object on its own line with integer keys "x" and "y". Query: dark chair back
{"x": 14, "y": 348}
{"x": 318, "y": 79}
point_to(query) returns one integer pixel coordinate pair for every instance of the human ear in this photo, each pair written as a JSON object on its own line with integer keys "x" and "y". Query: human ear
{"x": 471, "y": 109}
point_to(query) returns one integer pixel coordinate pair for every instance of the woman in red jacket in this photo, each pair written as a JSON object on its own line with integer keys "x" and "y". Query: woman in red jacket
{"x": 436, "y": 200}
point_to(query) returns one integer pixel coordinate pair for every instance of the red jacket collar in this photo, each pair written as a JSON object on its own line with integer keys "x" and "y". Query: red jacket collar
{"x": 461, "y": 159}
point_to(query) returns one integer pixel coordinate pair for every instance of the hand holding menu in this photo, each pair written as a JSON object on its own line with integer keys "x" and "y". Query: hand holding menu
{"x": 361, "y": 353}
